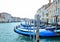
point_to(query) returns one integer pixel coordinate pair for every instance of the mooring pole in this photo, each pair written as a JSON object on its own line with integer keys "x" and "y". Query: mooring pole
{"x": 37, "y": 29}
{"x": 30, "y": 27}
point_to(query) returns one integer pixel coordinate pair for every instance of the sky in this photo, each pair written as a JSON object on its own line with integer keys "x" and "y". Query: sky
{"x": 21, "y": 8}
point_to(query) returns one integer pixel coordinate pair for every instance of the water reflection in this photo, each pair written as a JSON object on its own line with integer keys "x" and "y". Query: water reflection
{"x": 50, "y": 39}
{"x": 22, "y": 38}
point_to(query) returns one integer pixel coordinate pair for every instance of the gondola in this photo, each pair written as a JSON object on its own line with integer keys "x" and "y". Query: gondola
{"x": 31, "y": 31}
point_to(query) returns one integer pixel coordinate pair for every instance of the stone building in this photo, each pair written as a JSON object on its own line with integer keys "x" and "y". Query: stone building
{"x": 5, "y": 17}
{"x": 15, "y": 19}
{"x": 50, "y": 11}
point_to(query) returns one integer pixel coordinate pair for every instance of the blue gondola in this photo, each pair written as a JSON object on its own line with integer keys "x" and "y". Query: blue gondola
{"x": 27, "y": 31}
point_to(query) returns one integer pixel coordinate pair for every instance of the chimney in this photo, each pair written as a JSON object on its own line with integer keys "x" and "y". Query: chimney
{"x": 49, "y": 1}
{"x": 54, "y": 0}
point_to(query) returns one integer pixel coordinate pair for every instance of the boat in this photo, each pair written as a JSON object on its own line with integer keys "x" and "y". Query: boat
{"x": 31, "y": 31}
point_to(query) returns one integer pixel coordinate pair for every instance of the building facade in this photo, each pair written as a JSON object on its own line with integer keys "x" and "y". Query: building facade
{"x": 15, "y": 19}
{"x": 50, "y": 11}
{"x": 5, "y": 17}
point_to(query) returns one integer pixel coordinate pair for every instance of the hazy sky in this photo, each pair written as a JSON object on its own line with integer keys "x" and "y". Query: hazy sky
{"x": 21, "y": 8}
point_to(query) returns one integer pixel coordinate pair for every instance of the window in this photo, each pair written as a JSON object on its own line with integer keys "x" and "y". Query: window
{"x": 58, "y": 20}
{"x": 0, "y": 14}
{"x": 58, "y": 1}
{"x": 54, "y": 20}
{"x": 47, "y": 14}
{"x": 43, "y": 14}
{"x": 58, "y": 9}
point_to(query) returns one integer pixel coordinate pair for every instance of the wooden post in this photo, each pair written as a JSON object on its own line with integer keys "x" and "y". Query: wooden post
{"x": 37, "y": 29}
{"x": 30, "y": 27}
{"x": 56, "y": 21}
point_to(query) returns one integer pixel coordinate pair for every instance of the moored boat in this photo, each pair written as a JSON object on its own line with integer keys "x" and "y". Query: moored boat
{"x": 31, "y": 31}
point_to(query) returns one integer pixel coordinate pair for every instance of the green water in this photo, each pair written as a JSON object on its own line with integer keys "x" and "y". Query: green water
{"x": 7, "y": 34}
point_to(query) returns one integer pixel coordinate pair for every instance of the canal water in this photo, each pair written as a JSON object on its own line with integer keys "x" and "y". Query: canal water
{"x": 7, "y": 34}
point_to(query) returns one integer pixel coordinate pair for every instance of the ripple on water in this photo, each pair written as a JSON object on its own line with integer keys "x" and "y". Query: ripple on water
{"x": 7, "y": 34}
